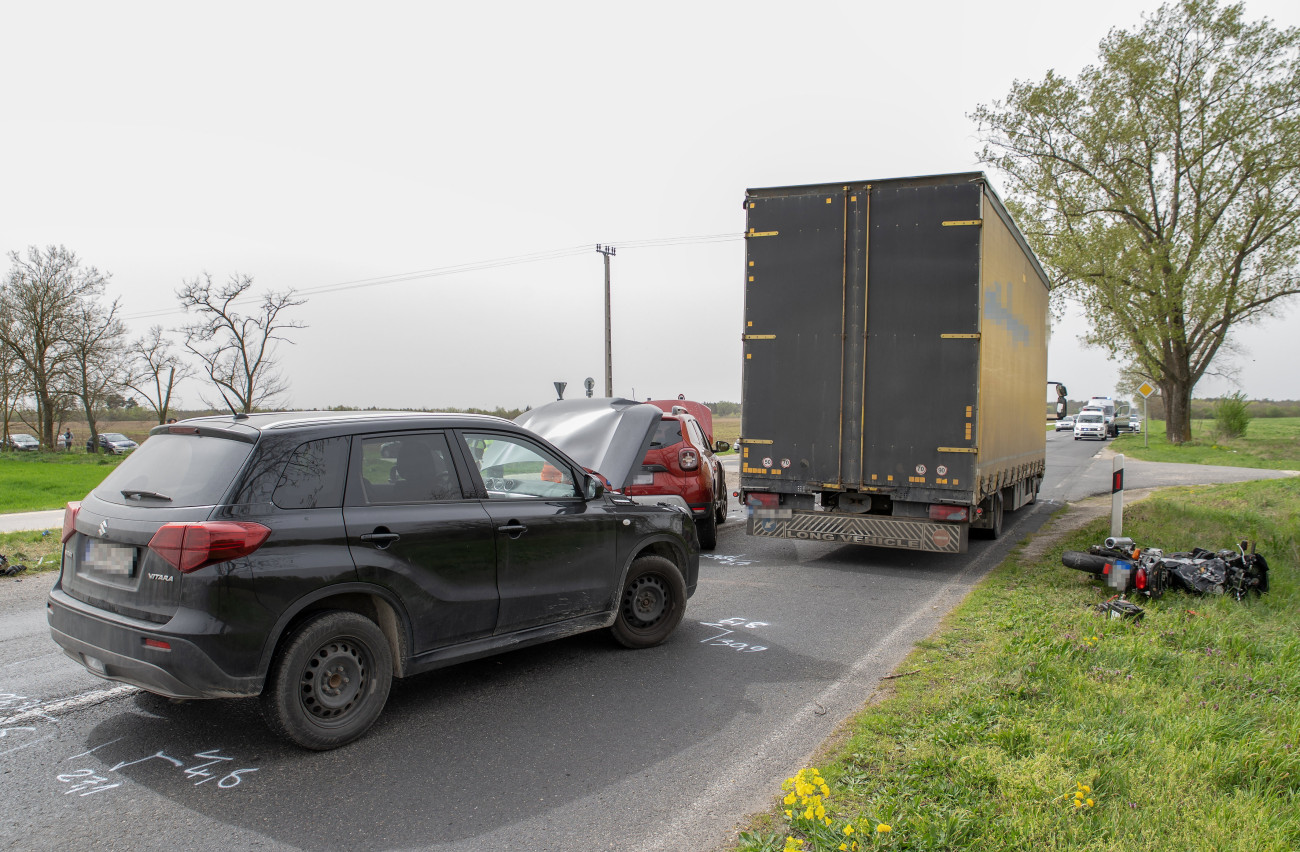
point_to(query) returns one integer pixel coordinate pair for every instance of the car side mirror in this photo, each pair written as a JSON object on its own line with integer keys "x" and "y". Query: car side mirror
{"x": 594, "y": 488}
{"x": 721, "y": 447}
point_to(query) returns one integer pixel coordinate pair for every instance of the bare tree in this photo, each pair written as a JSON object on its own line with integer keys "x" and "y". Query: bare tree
{"x": 97, "y": 360}
{"x": 156, "y": 371}
{"x": 237, "y": 350}
{"x": 40, "y": 302}
{"x": 14, "y": 387}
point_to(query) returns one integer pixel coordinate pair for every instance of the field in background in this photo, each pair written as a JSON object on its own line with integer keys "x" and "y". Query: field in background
{"x": 1272, "y": 443}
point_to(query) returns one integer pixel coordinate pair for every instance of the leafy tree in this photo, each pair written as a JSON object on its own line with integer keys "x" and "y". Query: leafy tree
{"x": 237, "y": 350}
{"x": 41, "y": 303}
{"x": 1162, "y": 187}
{"x": 155, "y": 371}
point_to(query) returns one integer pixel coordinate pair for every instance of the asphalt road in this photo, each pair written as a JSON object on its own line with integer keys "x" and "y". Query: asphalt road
{"x": 574, "y": 745}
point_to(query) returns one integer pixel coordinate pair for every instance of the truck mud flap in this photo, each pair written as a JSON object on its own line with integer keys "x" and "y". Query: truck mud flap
{"x": 862, "y": 529}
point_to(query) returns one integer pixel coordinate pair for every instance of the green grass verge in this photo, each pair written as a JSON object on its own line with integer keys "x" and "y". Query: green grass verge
{"x": 1184, "y": 728}
{"x": 30, "y": 482}
{"x": 1269, "y": 442}
{"x": 39, "y": 552}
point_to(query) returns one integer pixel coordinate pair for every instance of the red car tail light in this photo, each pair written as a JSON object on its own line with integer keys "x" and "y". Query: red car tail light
{"x": 940, "y": 512}
{"x": 70, "y": 512}
{"x": 189, "y": 547}
{"x": 688, "y": 459}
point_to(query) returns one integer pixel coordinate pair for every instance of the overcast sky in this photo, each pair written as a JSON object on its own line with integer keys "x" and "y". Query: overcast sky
{"x": 364, "y": 155}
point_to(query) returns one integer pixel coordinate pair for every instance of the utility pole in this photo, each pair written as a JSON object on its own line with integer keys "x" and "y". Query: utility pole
{"x": 608, "y": 251}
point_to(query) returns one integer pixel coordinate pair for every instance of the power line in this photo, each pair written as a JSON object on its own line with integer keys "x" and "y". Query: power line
{"x": 474, "y": 266}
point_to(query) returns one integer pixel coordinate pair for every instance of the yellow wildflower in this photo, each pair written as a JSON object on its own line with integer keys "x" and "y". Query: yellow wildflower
{"x": 1078, "y": 803}
{"x": 1090, "y": 803}
{"x": 883, "y": 829}
{"x": 848, "y": 829}
{"x": 788, "y": 800}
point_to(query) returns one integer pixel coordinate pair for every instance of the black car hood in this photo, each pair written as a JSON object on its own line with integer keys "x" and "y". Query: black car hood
{"x": 609, "y": 436}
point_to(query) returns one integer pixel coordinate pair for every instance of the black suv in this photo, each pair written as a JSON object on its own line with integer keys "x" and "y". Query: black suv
{"x": 310, "y": 557}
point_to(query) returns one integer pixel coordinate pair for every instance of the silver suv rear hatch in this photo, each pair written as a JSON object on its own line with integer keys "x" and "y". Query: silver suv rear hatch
{"x": 174, "y": 477}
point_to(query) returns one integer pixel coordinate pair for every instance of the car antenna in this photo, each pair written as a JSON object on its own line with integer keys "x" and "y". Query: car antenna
{"x": 238, "y": 415}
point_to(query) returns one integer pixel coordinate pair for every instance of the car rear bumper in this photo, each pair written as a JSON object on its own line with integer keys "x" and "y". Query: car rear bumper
{"x": 115, "y": 650}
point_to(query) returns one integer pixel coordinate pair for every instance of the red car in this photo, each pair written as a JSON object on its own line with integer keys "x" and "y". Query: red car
{"x": 681, "y": 461}
{"x": 678, "y": 464}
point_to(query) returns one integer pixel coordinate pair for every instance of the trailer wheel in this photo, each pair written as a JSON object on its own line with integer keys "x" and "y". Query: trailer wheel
{"x": 995, "y": 507}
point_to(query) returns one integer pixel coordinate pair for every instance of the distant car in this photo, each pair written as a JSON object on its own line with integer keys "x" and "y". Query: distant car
{"x": 1065, "y": 424}
{"x": 1091, "y": 424}
{"x": 24, "y": 442}
{"x": 1135, "y": 424}
{"x": 115, "y": 443}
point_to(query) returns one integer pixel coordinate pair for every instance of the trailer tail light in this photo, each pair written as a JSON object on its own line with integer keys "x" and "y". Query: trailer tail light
{"x": 189, "y": 547}
{"x": 70, "y": 513}
{"x": 688, "y": 459}
{"x": 941, "y": 512}
{"x": 158, "y": 643}
{"x": 1140, "y": 579}
{"x": 762, "y": 500}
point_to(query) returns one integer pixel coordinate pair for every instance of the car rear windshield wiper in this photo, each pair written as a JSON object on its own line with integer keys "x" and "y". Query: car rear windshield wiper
{"x": 140, "y": 495}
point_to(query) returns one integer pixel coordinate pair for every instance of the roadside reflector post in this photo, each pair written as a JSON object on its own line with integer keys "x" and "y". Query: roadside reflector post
{"x": 1117, "y": 497}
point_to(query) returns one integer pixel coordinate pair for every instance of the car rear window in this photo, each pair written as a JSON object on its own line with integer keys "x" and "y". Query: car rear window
{"x": 668, "y": 433}
{"x": 187, "y": 470}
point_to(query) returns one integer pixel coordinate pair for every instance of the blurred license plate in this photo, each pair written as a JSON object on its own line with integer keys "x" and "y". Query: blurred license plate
{"x": 108, "y": 558}
{"x": 643, "y": 479}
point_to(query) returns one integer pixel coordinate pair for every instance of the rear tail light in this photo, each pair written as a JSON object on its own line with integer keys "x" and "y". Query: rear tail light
{"x": 940, "y": 512}
{"x": 688, "y": 459}
{"x": 70, "y": 512}
{"x": 762, "y": 500}
{"x": 189, "y": 547}
{"x": 1140, "y": 581}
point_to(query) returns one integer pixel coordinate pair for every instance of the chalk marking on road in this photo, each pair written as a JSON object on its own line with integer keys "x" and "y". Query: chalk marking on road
{"x": 25, "y": 745}
{"x": 711, "y": 798}
{"x": 96, "y": 748}
{"x": 88, "y": 699}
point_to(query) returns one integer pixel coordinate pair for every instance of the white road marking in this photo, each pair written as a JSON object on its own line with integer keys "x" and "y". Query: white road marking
{"x": 88, "y": 699}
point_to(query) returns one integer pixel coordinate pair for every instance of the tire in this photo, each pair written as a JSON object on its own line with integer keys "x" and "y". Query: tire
{"x": 707, "y": 527}
{"x": 302, "y": 704}
{"x": 722, "y": 492}
{"x": 995, "y": 509}
{"x": 652, "y": 603}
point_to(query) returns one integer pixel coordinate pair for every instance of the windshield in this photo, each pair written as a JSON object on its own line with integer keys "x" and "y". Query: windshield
{"x": 188, "y": 470}
{"x": 1089, "y": 418}
{"x": 669, "y": 432}
{"x": 114, "y": 436}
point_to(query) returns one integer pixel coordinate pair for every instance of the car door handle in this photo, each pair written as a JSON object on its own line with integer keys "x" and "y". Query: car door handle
{"x": 380, "y": 539}
{"x": 514, "y": 529}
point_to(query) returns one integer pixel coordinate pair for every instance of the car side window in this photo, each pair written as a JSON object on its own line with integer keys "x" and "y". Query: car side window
{"x": 314, "y": 476}
{"x": 412, "y": 468}
{"x": 513, "y": 467}
{"x": 697, "y": 435}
